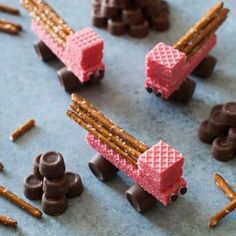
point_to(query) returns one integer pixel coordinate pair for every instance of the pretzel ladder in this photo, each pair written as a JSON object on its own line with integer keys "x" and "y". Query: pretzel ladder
{"x": 49, "y": 19}
{"x": 100, "y": 126}
{"x": 196, "y": 37}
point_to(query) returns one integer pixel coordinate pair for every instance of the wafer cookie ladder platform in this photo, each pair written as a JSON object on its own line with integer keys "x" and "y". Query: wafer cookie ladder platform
{"x": 81, "y": 52}
{"x": 167, "y": 67}
{"x": 156, "y": 171}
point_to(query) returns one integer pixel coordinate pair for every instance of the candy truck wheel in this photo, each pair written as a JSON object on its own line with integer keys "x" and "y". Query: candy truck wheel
{"x": 185, "y": 92}
{"x": 183, "y": 190}
{"x": 140, "y": 199}
{"x": 206, "y": 67}
{"x": 43, "y": 52}
{"x": 68, "y": 80}
{"x": 174, "y": 197}
{"x": 149, "y": 90}
{"x": 102, "y": 168}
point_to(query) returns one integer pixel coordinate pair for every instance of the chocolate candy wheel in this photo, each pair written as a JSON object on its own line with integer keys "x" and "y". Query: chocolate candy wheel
{"x": 109, "y": 11}
{"x": 222, "y": 150}
{"x": 204, "y": 133}
{"x": 140, "y": 30}
{"x": 232, "y": 136}
{"x": 216, "y": 108}
{"x": 139, "y": 199}
{"x": 117, "y": 27}
{"x": 216, "y": 124}
{"x": 33, "y": 188}
{"x": 132, "y": 16}
{"x": 102, "y": 168}
{"x": 229, "y": 114}
{"x": 55, "y": 188}
{"x": 160, "y": 22}
{"x": 185, "y": 91}
{"x": 53, "y": 207}
{"x": 68, "y": 80}
{"x": 52, "y": 165}
{"x": 206, "y": 67}
{"x": 75, "y": 185}
{"x": 43, "y": 52}
{"x": 36, "y": 167}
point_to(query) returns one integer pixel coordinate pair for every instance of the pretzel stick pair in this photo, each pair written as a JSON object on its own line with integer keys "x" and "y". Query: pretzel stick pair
{"x": 110, "y": 125}
{"x": 223, "y": 185}
{"x": 9, "y": 9}
{"x": 8, "y": 221}
{"x": 19, "y": 202}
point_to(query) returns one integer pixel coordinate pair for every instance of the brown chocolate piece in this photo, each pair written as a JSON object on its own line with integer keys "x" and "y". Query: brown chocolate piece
{"x": 118, "y": 3}
{"x": 75, "y": 185}
{"x": 117, "y": 27}
{"x": 55, "y": 188}
{"x": 204, "y": 133}
{"x": 98, "y": 19}
{"x": 139, "y": 30}
{"x": 140, "y": 199}
{"x": 43, "y": 52}
{"x": 216, "y": 108}
{"x": 33, "y": 188}
{"x": 132, "y": 16}
{"x": 110, "y": 11}
{"x": 216, "y": 124}
{"x": 96, "y": 4}
{"x": 206, "y": 67}
{"x": 52, "y": 165}
{"x": 36, "y": 167}
{"x": 229, "y": 114}
{"x": 222, "y": 150}
{"x": 102, "y": 168}
{"x": 232, "y": 137}
{"x": 68, "y": 80}
{"x": 160, "y": 22}
{"x": 53, "y": 207}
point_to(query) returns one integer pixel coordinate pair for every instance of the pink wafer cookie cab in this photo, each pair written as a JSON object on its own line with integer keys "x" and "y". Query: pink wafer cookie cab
{"x": 158, "y": 174}
{"x": 167, "y": 68}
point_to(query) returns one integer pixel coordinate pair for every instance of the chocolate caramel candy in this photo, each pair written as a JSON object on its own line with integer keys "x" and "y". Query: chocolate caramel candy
{"x": 53, "y": 207}
{"x": 222, "y": 150}
{"x": 118, "y": 3}
{"x": 36, "y": 167}
{"x": 75, "y": 185}
{"x": 216, "y": 124}
{"x": 139, "y": 30}
{"x": 98, "y": 19}
{"x": 117, "y": 27}
{"x": 96, "y": 4}
{"x": 33, "y": 188}
{"x": 160, "y": 22}
{"x": 52, "y": 165}
{"x": 55, "y": 188}
{"x": 216, "y": 108}
{"x": 132, "y": 16}
{"x": 109, "y": 11}
{"x": 229, "y": 114}
{"x": 204, "y": 134}
{"x": 232, "y": 137}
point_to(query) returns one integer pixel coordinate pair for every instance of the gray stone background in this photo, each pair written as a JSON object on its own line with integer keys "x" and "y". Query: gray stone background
{"x": 29, "y": 88}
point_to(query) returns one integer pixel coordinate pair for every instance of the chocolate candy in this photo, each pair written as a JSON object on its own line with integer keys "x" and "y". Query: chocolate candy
{"x": 204, "y": 133}
{"x": 222, "y": 150}
{"x": 110, "y": 11}
{"x": 102, "y": 168}
{"x": 160, "y": 22}
{"x": 216, "y": 124}
{"x": 132, "y": 16}
{"x": 75, "y": 185}
{"x": 232, "y": 137}
{"x": 68, "y": 80}
{"x": 229, "y": 114}
{"x": 36, "y": 167}
{"x": 33, "y": 188}
{"x": 52, "y": 165}
{"x": 117, "y": 27}
{"x": 206, "y": 67}
{"x": 118, "y": 3}
{"x": 96, "y": 4}
{"x": 43, "y": 52}
{"x": 139, "y": 30}
{"x": 216, "y": 108}
{"x": 98, "y": 19}
{"x": 55, "y": 188}
{"x": 53, "y": 207}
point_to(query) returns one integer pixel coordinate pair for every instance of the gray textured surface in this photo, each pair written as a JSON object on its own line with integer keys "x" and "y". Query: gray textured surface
{"x": 29, "y": 88}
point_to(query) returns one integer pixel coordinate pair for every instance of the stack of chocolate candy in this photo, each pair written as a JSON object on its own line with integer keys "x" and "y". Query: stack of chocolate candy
{"x": 131, "y": 16}
{"x": 220, "y": 131}
{"x": 52, "y": 184}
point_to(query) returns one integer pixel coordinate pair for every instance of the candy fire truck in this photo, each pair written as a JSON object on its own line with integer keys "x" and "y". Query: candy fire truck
{"x": 81, "y": 52}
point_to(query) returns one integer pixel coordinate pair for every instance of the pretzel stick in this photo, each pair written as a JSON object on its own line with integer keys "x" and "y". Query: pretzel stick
{"x": 224, "y": 186}
{"x": 9, "y": 9}
{"x": 106, "y": 122}
{"x": 96, "y": 133}
{"x": 212, "y": 27}
{"x": 98, "y": 126}
{"x": 8, "y": 221}
{"x": 18, "y": 26}
{"x": 222, "y": 213}
{"x": 8, "y": 28}
{"x": 201, "y": 24}
{"x": 19, "y": 202}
